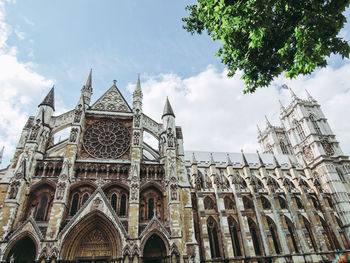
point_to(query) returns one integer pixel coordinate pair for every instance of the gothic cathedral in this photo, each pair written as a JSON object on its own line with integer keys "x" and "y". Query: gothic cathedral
{"x": 105, "y": 195}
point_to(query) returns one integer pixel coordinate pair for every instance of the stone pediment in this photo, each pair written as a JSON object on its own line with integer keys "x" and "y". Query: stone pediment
{"x": 28, "y": 226}
{"x": 112, "y": 101}
{"x": 155, "y": 224}
{"x": 97, "y": 201}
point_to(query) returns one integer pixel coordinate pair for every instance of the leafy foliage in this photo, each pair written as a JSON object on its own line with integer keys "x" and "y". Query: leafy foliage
{"x": 267, "y": 37}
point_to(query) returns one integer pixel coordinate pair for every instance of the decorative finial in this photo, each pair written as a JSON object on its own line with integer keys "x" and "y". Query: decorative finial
{"x": 228, "y": 160}
{"x": 310, "y": 98}
{"x": 115, "y": 82}
{"x": 261, "y": 163}
{"x": 268, "y": 124}
{"x": 244, "y": 160}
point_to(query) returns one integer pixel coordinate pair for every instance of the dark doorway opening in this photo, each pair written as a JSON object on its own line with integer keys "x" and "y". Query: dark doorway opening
{"x": 154, "y": 251}
{"x": 23, "y": 251}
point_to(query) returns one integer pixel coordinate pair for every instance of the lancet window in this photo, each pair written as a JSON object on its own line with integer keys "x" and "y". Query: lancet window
{"x": 300, "y": 130}
{"x": 314, "y": 124}
{"x": 213, "y": 238}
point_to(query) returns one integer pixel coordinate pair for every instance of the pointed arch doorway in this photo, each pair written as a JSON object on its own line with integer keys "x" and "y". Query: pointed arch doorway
{"x": 23, "y": 251}
{"x": 94, "y": 239}
{"x": 154, "y": 250}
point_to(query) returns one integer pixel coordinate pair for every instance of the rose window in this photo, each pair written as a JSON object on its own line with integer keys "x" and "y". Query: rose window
{"x": 106, "y": 139}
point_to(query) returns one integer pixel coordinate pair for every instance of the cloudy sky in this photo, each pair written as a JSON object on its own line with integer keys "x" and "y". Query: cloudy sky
{"x": 45, "y": 43}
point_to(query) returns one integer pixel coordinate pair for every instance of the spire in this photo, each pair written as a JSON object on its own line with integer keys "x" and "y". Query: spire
{"x": 1, "y": 153}
{"x": 259, "y": 131}
{"x": 310, "y": 98}
{"x": 167, "y": 109}
{"x": 137, "y": 92}
{"x": 268, "y": 124}
{"x": 49, "y": 99}
{"x": 275, "y": 162}
{"x": 281, "y": 106}
{"x": 194, "y": 161}
{"x": 244, "y": 160}
{"x": 212, "y": 162}
{"x": 292, "y": 94}
{"x": 228, "y": 160}
{"x": 261, "y": 163}
{"x": 88, "y": 81}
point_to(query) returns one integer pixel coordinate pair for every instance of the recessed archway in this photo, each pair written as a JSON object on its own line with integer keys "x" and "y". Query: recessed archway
{"x": 154, "y": 250}
{"x": 23, "y": 250}
{"x": 95, "y": 237}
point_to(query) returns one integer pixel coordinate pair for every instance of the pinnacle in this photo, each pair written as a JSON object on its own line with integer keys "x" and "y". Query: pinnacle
{"x": 212, "y": 162}
{"x": 267, "y": 122}
{"x": 261, "y": 163}
{"x": 49, "y": 100}
{"x": 228, "y": 160}
{"x": 167, "y": 109}
{"x": 88, "y": 81}
{"x": 138, "y": 91}
{"x": 194, "y": 161}
{"x": 245, "y": 163}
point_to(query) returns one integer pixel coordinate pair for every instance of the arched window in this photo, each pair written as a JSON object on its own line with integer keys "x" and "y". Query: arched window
{"x": 314, "y": 123}
{"x": 283, "y": 203}
{"x": 85, "y": 198}
{"x": 291, "y": 231}
{"x": 114, "y": 202}
{"x": 331, "y": 240}
{"x": 213, "y": 238}
{"x": 229, "y": 204}
{"x": 284, "y": 148}
{"x": 255, "y": 236}
{"x": 299, "y": 203}
{"x": 74, "y": 206}
{"x": 234, "y": 232}
{"x": 315, "y": 203}
{"x": 273, "y": 231}
{"x": 308, "y": 234}
{"x": 123, "y": 205}
{"x": 40, "y": 214}
{"x": 300, "y": 130}
{"x": 265, "y": 203}
{"x": 150, "y": 208}
{"x": 248, "y": 203}
{"x": 209, "y": 203}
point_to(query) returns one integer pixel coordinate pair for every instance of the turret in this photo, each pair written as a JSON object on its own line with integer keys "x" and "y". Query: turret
{"x": 46, "y": 107}
{"x": 168, "y": 119}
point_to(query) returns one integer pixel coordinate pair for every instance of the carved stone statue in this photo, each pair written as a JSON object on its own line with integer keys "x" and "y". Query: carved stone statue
{"x": 73, "y": 135}
{"x": 77, "y": 114}
{"x": 35, "y": 131}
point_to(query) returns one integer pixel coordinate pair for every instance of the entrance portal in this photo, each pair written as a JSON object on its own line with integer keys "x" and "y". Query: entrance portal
{"x": 154, "y": 250}
{"x": 23, "y": 251}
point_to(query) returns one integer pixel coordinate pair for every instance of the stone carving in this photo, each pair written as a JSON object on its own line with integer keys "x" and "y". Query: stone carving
{"x": 60, "y": 190}
{"x": 62, "y": 120}
{"x": 327, "y": 148}
{"x": 112, "y": 100}
{"x": 97, "y": 201}
{"x": 173, "y": 189}
{"x": 77, "y": 113}
{"x": 106, "y": 139}
{"x": 170, "y": 138}
{"x": 134, "y": 187}
{"x": 137, "y": 118}
{"x": 150, "y": 124}
{"x": 35, "y": 131}
{"x": 309, "y": 156}
{"x": 73, "y": 134}
{"x": 14, "y": 189}
{"x": 136, "y": 138}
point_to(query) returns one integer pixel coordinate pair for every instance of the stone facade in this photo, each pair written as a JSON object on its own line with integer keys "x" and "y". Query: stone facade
{"x": 105, "y": 195}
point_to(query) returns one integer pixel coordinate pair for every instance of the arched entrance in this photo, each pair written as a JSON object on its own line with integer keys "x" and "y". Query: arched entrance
{"x": 23, "y": 251}
{"x": 154, "y": 250}
{"x": 94, "y": 239}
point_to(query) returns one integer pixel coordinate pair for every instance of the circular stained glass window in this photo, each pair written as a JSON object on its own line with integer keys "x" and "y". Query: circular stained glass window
{"x": 106, "y": 139}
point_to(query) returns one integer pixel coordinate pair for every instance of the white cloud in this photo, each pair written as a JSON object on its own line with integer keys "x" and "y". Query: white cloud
{"x": 216, "y": 116}
{"x": 20, "y": 88}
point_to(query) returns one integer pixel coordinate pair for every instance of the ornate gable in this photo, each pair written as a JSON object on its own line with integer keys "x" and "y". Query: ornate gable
{"x": 112, "y": 100}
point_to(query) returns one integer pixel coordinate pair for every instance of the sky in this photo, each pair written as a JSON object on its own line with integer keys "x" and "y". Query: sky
{"x": 45, "y": 43}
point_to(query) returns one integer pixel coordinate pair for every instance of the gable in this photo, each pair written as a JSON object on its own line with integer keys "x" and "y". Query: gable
{"x": 112, "y": 101}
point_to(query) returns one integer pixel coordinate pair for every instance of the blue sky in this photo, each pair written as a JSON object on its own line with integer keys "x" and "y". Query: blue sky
{"x": 45, "y": 43}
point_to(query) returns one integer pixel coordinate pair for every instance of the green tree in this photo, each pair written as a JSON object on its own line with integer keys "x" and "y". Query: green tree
{"x": 264, "y": 38}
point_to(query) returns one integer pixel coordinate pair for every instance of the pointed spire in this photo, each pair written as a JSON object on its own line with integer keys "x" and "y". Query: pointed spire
{"x": 292, "y": 94}
{"x": 2, "y": 153}
{"x": 194, "y": 161}
{"x": 211, "y": 162}
{"x": 281, "y": 106}
{"x": 228, "y": 160}
{"x": 244, "y": 160}
{"x": 275, "y": 162}
{"x": 138, "y": 92}
{"x": 261, "y": 163}
{"x": 167, "y": 109}
{"x": 310, "y": 98}
{"x": 268, "y": 124}
{"x": 88, "y": 83}
{"x": 49, "y": 100}
{"x": 259, "y": 131}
